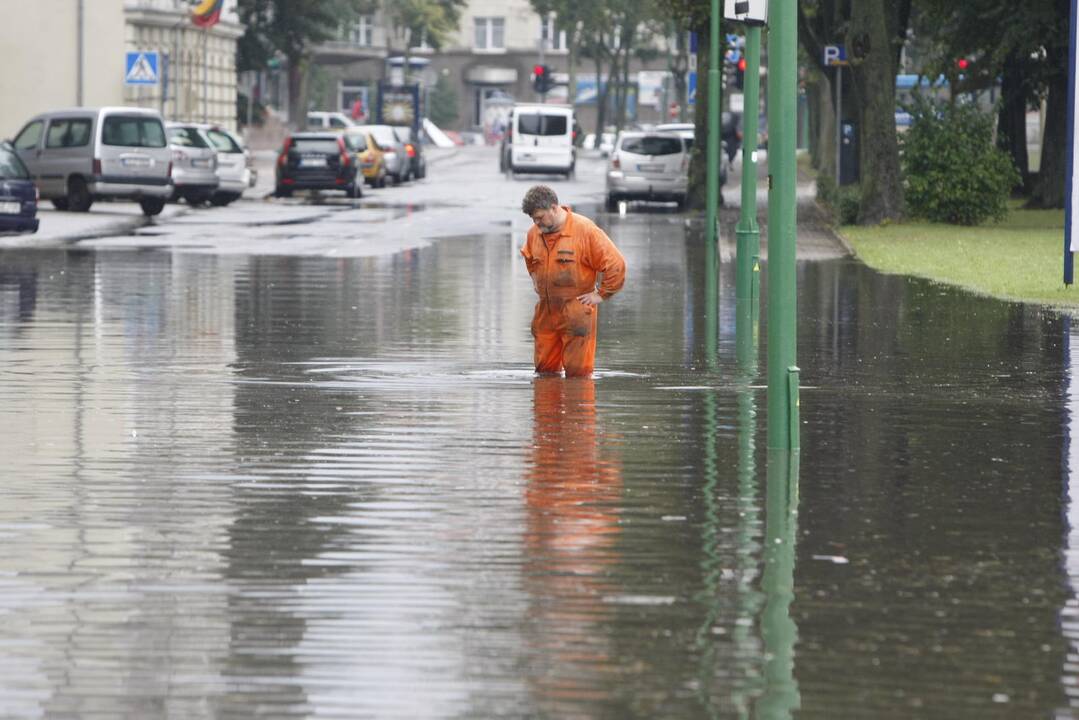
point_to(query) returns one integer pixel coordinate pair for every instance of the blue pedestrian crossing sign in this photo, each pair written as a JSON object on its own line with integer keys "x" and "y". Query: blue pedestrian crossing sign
{"x": 141, "y": 68}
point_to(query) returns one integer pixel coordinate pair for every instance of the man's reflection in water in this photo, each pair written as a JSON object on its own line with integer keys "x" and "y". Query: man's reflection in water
{"x": 573, "y": 498}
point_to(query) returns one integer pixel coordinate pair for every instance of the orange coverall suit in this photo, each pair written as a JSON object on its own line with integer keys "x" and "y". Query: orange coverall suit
{"x": 563, "y": 265}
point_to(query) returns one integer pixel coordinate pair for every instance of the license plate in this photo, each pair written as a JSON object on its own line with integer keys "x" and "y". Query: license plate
{"x": 313, "y": 162}
{"x": 10, "y": 208}
{"x": 136, "y": 162}
{"x": 204, "y": 163}
{"x": 650, "y": 168}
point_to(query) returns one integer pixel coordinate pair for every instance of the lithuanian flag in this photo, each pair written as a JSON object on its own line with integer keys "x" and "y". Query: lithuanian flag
{"x": 207, "y": 13}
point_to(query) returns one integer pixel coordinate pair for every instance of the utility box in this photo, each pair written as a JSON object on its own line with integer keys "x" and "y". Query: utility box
{"x": 747, "y": 12}
{"x": 848, "y": 154}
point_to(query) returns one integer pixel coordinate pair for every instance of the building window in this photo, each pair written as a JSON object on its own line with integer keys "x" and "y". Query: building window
{"x": 490, "y": 33}
{"x": 550, "y": 36}
{"x": 421, "y": 45}
{"x": 362, "y": 32}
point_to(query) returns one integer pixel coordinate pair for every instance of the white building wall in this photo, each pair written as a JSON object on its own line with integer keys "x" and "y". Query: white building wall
{"x": 41, "y": 67}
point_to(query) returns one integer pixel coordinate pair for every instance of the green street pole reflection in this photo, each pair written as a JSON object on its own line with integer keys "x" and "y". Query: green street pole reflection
{"x": 781, "y": 696}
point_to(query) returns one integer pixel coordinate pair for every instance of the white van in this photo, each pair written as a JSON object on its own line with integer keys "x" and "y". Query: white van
{"x": 80, "y": 155}
{"x": 539, "y": 140}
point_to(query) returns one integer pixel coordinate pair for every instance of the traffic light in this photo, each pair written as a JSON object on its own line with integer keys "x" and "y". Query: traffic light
{"x": 962, "y": 63}
{"x": 740, "y": 76}
{"x": 541, "y": 79}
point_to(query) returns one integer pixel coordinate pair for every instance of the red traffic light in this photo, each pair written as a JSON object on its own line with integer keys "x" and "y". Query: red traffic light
{"x": 742, "y": 64}
{"x": 962, "y": 63}
{"x": 539, "y": 69}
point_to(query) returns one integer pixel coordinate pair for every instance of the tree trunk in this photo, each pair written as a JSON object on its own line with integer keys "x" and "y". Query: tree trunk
{"x": 601, "y": 98}
{"x": 1012, "y": 118}
{"x": 698, "y": 164}
{"x": 297, "y": 92}
{"x": 1049, "y": 188}
{"x": 869, "y": 46}
{"x": 821, "y": 96}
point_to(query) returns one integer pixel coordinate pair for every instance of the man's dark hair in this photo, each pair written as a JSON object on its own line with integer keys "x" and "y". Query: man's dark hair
{"x": 538, "y": 197}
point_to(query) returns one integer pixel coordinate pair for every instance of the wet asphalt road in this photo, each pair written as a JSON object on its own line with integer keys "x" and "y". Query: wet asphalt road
{"x": 289, "y": 459}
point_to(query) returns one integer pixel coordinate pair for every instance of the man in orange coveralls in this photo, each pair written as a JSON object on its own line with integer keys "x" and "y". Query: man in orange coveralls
{"x": 564, "y": 253}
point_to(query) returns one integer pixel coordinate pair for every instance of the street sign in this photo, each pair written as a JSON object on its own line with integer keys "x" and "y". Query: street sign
{"x": 835, "y": 55}
{"x": 141, "y": 68}
{"x": 750, "y": 12}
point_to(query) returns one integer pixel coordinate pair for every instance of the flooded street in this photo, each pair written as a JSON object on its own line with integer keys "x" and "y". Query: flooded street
{"x": 299, "y": 486}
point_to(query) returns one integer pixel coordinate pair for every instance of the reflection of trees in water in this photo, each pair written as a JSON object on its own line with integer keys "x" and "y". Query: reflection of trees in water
{"x": 573, "y": 497}
{"x": 934, "y": 460}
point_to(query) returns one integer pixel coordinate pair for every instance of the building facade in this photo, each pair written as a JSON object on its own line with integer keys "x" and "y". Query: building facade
{"x": 197, "y": 66}
{"x": 488, "y": 63}
{"x": 69, "y": 53}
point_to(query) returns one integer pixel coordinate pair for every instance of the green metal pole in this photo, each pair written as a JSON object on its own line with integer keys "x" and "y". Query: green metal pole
{"x": 747, "y": 232}
{"x": 714, "y": 140}
{"x": 783, "y": 413}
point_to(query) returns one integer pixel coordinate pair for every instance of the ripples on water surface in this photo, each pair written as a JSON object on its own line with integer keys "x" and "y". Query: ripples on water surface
{"x": 298, "y": 487}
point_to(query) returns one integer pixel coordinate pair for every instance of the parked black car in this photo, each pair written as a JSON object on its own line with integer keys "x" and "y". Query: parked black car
{"x": 18, "y": 195}
{"x": 318, "y": 161}
{"x": 413, "y": 149}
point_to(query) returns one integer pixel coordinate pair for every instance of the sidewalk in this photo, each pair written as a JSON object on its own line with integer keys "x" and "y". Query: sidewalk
{"x": 816, "y": 238}
{"x": 103, "y": 220}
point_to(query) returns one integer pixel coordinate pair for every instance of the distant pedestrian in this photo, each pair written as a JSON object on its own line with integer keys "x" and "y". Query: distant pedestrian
{"x": 565, "y": 253}
{"x": 357, "y": 109}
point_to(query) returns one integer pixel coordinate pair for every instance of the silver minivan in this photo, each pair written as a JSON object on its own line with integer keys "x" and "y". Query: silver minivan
{"x": 648, "y": 166}
{"x": 80, "y": 155}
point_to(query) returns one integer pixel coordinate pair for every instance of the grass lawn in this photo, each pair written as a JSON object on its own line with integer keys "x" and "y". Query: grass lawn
{"x": 1019, "y": 258}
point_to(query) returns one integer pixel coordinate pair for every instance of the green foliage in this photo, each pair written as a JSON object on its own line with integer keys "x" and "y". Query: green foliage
{"x": 291, "y": 27}
{"x": 442, "y": 102}
{"x": 954, "y": 173}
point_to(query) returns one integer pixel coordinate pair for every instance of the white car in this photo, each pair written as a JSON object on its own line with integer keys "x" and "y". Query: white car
{"x": 194, "y": 163}
{"x": 327, "y": 120}
{"x": 648, "y": 166}
{"x": 234, "y": 168}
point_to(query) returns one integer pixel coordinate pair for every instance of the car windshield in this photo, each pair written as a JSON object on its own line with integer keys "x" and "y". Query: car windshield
{"x": 652, "y": 145}
{"x": 11, "y": 168}
{"x": 223, "y": 142}
{"x": 539, "y": 124}
{"x": 315, "y": 145}
{"x": 130, "y": 131}
{"x": 187, "y": 137}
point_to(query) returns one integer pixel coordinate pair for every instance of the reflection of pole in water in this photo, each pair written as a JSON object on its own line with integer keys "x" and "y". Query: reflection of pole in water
{"x": 747, "y": 599}
{"x": 1069, "y": 614}
{"x": 778, "y": 630}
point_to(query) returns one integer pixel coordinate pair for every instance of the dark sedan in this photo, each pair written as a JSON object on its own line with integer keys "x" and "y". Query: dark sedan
{"x": 18, "y": 195}
{"x": 318, "y": 161}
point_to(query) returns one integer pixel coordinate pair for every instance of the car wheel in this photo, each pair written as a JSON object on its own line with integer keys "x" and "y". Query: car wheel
{"x": 60, "y": 203}
{"x": 423, "y": 172}
{"x": 355, "y": 190}
{"x": 612, "y": 203}
{"x": 78, "y": 195}
{"x": 152, "y": 206}
{"x": 381, "y": 181}
{"x": 680, "y": 203}
{"x": 282, "y": 192}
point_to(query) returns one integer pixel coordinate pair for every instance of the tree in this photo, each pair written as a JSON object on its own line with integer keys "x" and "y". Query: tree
{"x": 410, "y": 21}
{"x": 874, "y": 32}
{"x": 1023, "y": 47}
{"x": 292, "y": 28}
{"x": 443, "y": 102}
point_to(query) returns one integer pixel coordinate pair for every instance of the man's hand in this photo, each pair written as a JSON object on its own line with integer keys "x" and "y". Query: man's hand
{"x": 592, "y": 299}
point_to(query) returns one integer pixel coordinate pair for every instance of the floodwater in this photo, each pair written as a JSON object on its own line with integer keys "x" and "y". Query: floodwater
{"x": 300, "y": 487}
